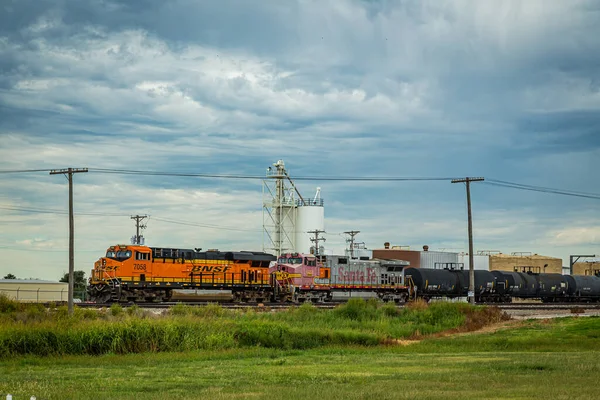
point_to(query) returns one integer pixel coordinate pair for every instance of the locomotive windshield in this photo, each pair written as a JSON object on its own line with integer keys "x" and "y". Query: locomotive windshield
{"x": 118, "y": 255}
{"x": 291, "y": 260}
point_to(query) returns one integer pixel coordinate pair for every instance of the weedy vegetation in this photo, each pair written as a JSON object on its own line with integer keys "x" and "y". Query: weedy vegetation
{"x": 350, "y": 352}
{"x": 33, "y": 329}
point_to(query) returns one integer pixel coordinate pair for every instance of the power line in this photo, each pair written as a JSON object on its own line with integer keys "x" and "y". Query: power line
{"x": 55, "y": 211}
{"x": 260, "y": 177}
{"x": 22, "y": 171}
{"x": 541, "y": 189}
{"x": 177, "y": 222}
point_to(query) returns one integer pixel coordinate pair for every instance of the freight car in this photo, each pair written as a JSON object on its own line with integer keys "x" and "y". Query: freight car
{"x": 301, "y": 277}
{"x": 502, "y": 286}
{"x": 451, "y": 283}
{"x": 139, "y": 273}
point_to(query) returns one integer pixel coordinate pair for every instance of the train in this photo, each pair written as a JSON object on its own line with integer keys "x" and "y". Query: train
{"x": 503, "y": 286}
{"x": 136, "y": 273}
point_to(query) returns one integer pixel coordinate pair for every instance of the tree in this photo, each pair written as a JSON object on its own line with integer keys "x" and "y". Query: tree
{"x": 10, "y": 276}
{"x": 79, "y": 282}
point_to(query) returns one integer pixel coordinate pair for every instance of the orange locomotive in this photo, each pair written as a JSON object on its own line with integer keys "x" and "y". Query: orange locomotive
{"x": 140, "y": 273}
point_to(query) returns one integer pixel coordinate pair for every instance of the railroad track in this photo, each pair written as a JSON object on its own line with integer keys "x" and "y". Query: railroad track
{"x": 330, "y": 305}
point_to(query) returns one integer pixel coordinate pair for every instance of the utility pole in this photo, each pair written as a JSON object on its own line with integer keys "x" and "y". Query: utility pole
{"x": 138, "y": 219}
{"x": 351, "y": 241}
{"x": 316, "y": 240}
{"x": 467, "y": 181}
{"x": 69, "y": 175}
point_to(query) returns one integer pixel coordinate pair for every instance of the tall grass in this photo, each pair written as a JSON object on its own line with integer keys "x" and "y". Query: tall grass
{"x": 34, "y": 330}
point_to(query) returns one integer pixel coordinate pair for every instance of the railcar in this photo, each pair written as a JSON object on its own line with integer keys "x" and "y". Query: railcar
{"x": 140, "y": 273}
{"x": 503, "y": 286}
{"x": 449, "y": 282}
{"x": 583, "y": 288}
{"x": 551, "y": 287}
{"x": 302, "y": 277}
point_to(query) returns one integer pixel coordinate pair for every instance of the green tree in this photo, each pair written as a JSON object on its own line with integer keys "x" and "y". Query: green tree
{"x": 79, "y": 282}
{"x": 9, "y": 276}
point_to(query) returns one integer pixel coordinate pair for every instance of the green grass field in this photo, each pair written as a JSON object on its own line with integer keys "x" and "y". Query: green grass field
{"x": 471, "y": 366}
{"x": 557, "y": 359}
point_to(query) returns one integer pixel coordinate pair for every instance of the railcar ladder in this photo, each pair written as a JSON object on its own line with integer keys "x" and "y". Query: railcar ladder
{"x": 412, "y": 288}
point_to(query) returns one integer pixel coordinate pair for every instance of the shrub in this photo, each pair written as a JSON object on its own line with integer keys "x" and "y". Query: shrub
{"x": 357, "y": 309}
{"x": 8, "y": 305}
{"x": 116, "y": 310}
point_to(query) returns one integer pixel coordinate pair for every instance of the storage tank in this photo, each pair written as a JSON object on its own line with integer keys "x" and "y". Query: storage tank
{"x": 310, "y": 216}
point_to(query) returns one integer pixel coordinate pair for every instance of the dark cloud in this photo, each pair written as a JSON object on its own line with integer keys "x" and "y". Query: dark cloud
{"x": 351, "y": 88}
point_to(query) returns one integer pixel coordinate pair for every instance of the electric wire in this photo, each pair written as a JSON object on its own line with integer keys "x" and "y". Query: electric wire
{"x": 22, "y": 171}
{"x": 61, "y": 212}
{"x": 541, "y": 189}
{"x": 261, "y": 177}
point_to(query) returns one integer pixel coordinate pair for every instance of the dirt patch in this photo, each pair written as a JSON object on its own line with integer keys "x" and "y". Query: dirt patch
{"x": 487, "y": 329}
{"x": 401, "y": 342}
{"x": 492, "y": 328}
{"x": 475, "y": 321}
{"x": 478, "y": 321}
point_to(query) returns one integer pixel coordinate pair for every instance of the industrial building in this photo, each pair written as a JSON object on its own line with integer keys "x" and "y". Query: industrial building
{"x": 587, "y": 267}
{"x": 417, "y": 258}
{"x": 525, "y": 262}
{"x": 489, "y": 261}
{"x": 34, "y": 291}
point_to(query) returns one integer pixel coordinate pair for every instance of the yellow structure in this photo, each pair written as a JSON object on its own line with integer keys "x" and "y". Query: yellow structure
{"x": 525, "y": 262}
{"x": 586, "y": 268}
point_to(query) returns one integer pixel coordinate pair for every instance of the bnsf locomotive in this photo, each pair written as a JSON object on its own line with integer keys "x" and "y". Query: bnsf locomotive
{"x": 139, "y": 273}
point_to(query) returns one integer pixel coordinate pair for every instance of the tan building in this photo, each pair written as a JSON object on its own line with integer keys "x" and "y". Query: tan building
{"x": 525, "y": 262}
{"x": 586, "y": 268}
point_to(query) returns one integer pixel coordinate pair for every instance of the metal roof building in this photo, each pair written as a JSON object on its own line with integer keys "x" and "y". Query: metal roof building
{"x": 34, "y": 291}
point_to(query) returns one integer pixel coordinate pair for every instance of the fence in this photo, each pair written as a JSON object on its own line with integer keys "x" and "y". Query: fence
{"x": 40, "y": 295}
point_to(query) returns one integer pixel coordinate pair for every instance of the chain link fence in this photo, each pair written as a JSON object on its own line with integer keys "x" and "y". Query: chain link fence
{"x": 40, "y": 295}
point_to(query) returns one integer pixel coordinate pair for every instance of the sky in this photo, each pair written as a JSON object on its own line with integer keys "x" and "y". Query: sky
{"x": 506, "y": 90}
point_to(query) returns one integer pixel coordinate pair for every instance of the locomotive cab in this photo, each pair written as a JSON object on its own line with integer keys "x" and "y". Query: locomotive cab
{"x": 295, "y": 275}
{"x": 124, "y": 262}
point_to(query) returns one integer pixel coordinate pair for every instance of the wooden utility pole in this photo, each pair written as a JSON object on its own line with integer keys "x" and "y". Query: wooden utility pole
{"x": 69, "y": 174}
{"x": 138, "y": 219}
{"x": 351, "y": 241}
{"x": 316, "y": 240}
{"x": 467, "y": 181}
